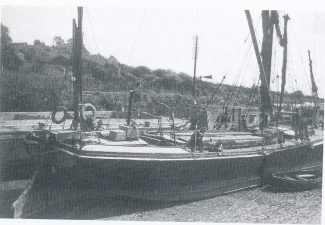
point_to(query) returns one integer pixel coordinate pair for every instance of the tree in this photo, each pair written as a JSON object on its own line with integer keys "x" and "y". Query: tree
{"x": 6, "y": 41}
{"x": 141, "y": 71}
{"x": 5, "y": 38}
{"x": 57, "y": 40}
{"x": 298, "y": 96}
{"x": 37, "y": 42}
{"x": 9, "y": 59}
{"x": 159, "y": 72}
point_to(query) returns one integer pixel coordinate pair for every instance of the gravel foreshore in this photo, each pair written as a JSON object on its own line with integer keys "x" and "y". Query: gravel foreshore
{"x": 252, "y": 206}
{"x": 259, "y": 205}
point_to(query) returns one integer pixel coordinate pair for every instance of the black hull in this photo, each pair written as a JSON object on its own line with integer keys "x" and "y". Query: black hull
{"x": 181, "y": 177}
{"x": 167, "y": 179}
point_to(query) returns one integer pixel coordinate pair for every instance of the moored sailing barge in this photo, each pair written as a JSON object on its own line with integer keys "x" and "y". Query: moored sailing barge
{"x": 121, "y": 162}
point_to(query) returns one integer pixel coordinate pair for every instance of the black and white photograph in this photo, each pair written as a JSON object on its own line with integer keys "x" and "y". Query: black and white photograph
{"x": 131, "y": 111}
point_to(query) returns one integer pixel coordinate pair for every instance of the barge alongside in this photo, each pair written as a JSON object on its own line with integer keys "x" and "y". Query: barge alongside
{"x": 122, "y": 162}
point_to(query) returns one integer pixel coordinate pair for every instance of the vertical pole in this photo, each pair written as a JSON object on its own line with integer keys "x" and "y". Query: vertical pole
{"x": 268, "y": 18}
{"x": 194, "y": 73}
{"x": 79, "y": 52}
{"x": 284, "y": 61}
{"x": 74, "y": 75}
{"x": 265, "y": 43}
{"x": 130, "y": 108}
{"x": 77, "y": 45}
{"x": 239, "y": 119}
{"x": 277, "y": 104}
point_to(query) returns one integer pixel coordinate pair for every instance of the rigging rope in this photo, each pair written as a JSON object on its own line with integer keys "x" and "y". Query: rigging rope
{"x": 301, "y": 58}
{"x": 136, "y": 36}
{"x": 91, "y": 28}
{"x": 274, "y": 62}
{"x": 250, "y": 103}
{"x": 251, "y": 96}
{"x": 258, "y": 23}
{"x": 234, "y": 90}
{"x": 239, "y": 72}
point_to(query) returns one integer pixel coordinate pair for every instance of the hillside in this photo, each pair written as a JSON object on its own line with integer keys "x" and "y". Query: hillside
{"x": 38, "y": 77}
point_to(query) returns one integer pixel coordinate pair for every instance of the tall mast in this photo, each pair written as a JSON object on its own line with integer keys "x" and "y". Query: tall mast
{"x": 77, "y": 44}
{"x": 265, "y": 95}
{"x": 284, "y": 42}
{"x": 267, "y": 43}
{"x": 80, "y": 46}
{"x": 194, "y": 73}
{"x": 314, "y": 88}
{"x": 74, "y": 63}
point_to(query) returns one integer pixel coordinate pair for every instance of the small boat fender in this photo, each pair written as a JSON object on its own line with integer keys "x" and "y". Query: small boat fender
{"x": 59, "y": 109}
{"x": 86, "y": 107}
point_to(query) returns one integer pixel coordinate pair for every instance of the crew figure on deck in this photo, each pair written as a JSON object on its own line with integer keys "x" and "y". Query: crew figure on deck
{"x": 301, "y": 126}
{"x": 196, "y": 141}
{"x": 199, "y": 119}
{"x": 244, "y": 122}
{"x": 222, "y": 119}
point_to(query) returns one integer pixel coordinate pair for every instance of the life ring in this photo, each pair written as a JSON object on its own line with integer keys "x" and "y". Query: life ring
{"x": 83, "y": 110}
{"x": 59, "y": 109}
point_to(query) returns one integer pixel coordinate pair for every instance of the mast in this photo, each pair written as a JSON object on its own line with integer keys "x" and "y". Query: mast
{"x": 194, "y": 73}
{"x": 266, "y": 106}
{"x": 314, "y": 88}
{"x": 77, "y": 44}
{"x": 128, "y": 120}
{"x": 284, "y": 42}
{"x": 79, "y": 52}
{"x": 267, "y": 43}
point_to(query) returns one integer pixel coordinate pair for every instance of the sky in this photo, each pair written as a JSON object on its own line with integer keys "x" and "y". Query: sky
{"x": 163, "y": 37}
